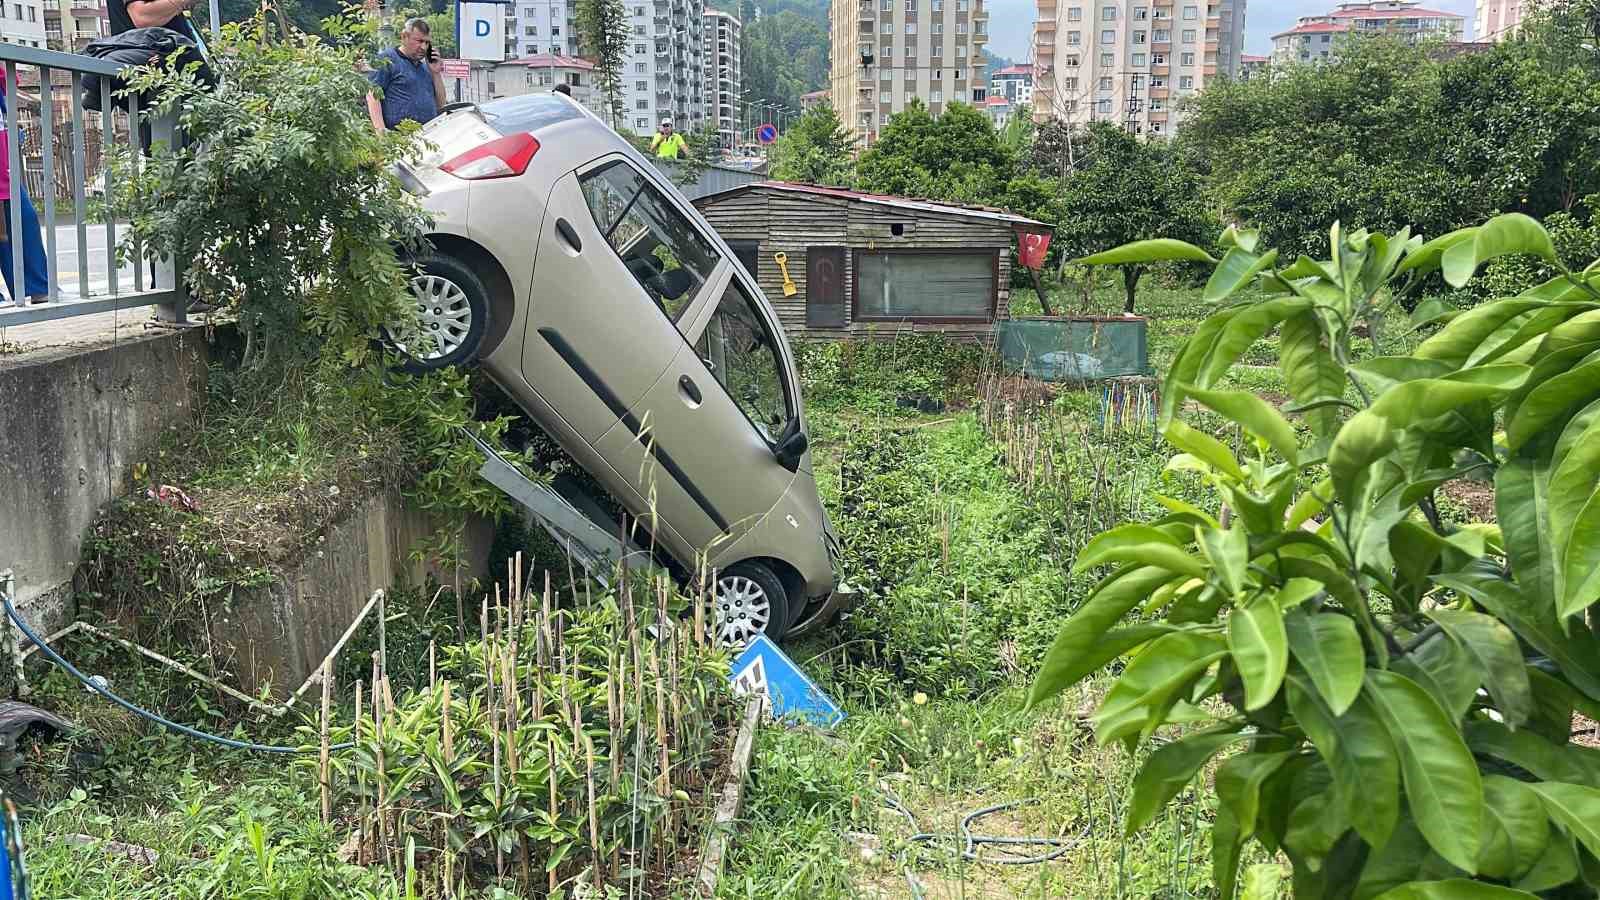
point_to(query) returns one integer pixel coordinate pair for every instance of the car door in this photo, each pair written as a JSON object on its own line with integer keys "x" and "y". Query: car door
{"x": 715, "y": 416}
{"x": 605, "y": 292}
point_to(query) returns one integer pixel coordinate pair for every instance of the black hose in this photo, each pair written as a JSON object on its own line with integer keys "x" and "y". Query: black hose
{"x": 11, "y": 612}
{"x": 971, "y": 843}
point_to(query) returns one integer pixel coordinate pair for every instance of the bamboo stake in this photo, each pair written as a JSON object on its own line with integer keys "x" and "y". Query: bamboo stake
{"x": 550, "y": 750}
{"x": 323, "y": 773}
{"x": 377, "y": 736}
{"x": 361, "y": 786}
{"x": 433, "y": 666}
{"x": 594, "y": 813}
{"x": 449, "y": 726}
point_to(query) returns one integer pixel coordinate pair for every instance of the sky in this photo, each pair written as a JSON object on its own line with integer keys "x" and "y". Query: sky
{"x": 1011, "y": 21}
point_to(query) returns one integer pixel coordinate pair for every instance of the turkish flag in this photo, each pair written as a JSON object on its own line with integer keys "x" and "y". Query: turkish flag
{"x": 1031, "y": 249}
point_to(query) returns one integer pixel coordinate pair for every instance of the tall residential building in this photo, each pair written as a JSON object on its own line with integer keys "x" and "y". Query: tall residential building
{"x": 664, "y": 73}
{"x": 723, "y": 77}
{"x": 1128, "y": 61}
{"x": 1315, "y": 38}
{"x": 23, "y": 22}
{"x": 887, "y": 53}
{"x": 539, "y": 26}
{"x": 1497, "y": 20}
{"x": 70, "y": 25}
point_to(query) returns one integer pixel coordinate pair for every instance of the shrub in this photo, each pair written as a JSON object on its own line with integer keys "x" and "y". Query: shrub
{"x": 1403, "y": 685}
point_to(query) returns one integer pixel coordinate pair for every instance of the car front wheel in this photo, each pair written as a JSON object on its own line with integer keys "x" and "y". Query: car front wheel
{"x": 750, "y": 599}
{"x": 452, "y": 308}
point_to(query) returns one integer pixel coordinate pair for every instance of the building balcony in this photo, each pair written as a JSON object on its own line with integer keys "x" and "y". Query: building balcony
{"x": 1159, "y": 46}
{"x": 1208, "y": 71}
{"x": 980, "y": 38}
{"x": 1160, "y": 93}
{"x": 1212, "y": 46}
{"x": 1162, "y": 69}
{"x": 1044, "y": 25}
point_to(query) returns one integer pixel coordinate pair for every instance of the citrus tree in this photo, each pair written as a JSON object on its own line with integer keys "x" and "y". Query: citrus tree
{"x": 1391, "y": 693}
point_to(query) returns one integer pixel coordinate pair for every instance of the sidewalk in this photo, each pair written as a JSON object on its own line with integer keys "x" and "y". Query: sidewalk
{"x": 19, "y": 342}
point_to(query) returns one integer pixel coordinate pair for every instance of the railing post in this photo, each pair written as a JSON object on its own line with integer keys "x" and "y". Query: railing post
{"x": 168, "y": 272}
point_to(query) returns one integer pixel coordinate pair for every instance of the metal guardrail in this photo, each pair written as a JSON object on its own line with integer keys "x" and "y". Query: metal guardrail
{"x": 81, "y": 295}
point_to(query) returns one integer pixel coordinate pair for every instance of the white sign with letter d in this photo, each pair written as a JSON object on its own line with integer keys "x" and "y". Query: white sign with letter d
{"x": 481, "y": 31}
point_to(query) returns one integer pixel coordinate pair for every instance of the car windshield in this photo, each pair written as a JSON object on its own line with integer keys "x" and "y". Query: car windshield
{"x": 528, "y": 112}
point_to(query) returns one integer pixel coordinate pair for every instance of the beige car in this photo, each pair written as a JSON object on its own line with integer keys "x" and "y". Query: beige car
{"x": 599, "y": 298}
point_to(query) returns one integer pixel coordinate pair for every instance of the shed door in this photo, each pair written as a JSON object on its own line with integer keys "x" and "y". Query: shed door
{"x": 825, "y": 287}
{"x": 749, "y": 255}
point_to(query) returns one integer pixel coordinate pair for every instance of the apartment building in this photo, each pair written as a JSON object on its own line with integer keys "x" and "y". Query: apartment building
{"x": 664, "y": 74}
{"x": 887, "y": 53}
{"x": 1252, "y": 66}
{"x": 23, "y": 22}
{"x": 541, "y": 26}
{"x": 1496, "y": 20}
{"x": 70, "y": 25}
{"x": 1316, "y": 38}
{"x": 723, "y": 76}
{"x": 1129, "y": 61}
{"x": 1015, "y": 83}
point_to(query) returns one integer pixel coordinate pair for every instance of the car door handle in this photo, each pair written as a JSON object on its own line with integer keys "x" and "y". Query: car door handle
{"x": 689, "y": 388}
{"x": 569, "y": 234}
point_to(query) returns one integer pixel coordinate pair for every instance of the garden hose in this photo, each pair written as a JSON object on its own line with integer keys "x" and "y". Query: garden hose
{"x": 97, "y": 687}
{"x": 971, "y": 843}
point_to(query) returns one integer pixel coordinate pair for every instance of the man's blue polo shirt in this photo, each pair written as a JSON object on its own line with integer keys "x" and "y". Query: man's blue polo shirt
{"x": 407, "y": 88}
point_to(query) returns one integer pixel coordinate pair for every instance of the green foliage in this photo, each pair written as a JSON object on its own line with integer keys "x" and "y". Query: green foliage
{"x": 604, "y": 32}
{"x": 815, "y": 150}
{"x": 535, "y": 740}
{"x": 1405, "y": 684}
{"x": 280, "y": 201}
{"x": 785, "y": 54}
{"x": 956, "y": 157}
{"x": 1123, "y": 188}
{"x": 1464, "y": 137}
{"x": 874, "y": 374}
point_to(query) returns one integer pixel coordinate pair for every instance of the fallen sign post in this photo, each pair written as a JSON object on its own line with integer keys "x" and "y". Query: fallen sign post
{"x": 764, "y": 670}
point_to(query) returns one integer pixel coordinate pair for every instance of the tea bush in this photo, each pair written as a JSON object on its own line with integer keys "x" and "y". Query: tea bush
{"x": 875, "y": 374}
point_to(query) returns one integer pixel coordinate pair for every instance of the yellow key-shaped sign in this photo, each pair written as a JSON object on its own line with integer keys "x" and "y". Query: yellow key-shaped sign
{"x": 782, "y": 259}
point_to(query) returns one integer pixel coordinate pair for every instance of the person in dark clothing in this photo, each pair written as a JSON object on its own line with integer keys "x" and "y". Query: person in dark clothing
{"x": 410, "y": 77}
{"x": 127, "y": 15}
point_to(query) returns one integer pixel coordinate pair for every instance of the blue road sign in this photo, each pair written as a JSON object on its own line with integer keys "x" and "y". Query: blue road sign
{"x": 763, "y": 668}
{"x": 767, "y": 133}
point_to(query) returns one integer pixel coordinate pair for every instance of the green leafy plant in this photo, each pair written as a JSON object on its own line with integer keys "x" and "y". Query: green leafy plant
{"x": 1401, "y": 688}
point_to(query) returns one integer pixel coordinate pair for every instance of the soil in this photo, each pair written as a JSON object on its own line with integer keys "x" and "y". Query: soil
{"x": 1476, "y": 496}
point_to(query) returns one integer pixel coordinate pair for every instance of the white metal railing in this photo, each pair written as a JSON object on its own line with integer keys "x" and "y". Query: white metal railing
{"x": 84, "y": 294}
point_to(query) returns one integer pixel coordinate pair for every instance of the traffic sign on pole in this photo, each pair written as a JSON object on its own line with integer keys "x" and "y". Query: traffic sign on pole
{"x": 767, "y": 133}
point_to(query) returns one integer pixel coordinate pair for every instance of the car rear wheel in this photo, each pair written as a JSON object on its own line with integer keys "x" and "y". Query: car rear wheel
{"x": 452, "y": 307}
{"x": 750, "y": 599}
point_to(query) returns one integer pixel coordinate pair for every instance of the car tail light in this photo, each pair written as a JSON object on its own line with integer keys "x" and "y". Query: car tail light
{"x": 500, "y": 158}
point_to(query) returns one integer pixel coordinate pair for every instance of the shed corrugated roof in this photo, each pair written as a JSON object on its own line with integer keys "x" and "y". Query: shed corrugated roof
{"x": 987, "y": 213}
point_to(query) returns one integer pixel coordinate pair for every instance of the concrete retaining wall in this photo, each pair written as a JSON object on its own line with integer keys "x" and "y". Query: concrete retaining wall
{"x": 72, "y": 422}
{"x": 277, "y": 635}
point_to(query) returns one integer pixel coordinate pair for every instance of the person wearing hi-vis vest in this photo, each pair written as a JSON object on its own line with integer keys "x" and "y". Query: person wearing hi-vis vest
{"x": 667, "y": 143}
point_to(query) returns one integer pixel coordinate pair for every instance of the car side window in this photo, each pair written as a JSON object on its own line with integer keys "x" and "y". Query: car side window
{"x": 742, "y": 355}
{"x": 658, "y": 245}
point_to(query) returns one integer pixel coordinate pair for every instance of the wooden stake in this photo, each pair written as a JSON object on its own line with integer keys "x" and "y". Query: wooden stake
{"x": 361, "y": 785}
{"x": 433, "y": 666}
{"x": 377, "y": 736}
{"x": 323, "y": 769}
{"x": 449, "y": 726}
{"x": 550, "y": 751}
{"x": 594, "y": 813}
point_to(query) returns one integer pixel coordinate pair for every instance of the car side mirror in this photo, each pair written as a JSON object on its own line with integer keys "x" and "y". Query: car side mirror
{"x": 791, "y": 446}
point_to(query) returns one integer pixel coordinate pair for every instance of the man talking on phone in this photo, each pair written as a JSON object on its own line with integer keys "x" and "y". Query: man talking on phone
{"x": 127, "y": 15}
{"x": 409, "y": 76}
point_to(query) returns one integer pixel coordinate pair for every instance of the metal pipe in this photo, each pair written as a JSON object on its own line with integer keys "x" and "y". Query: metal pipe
{"x": 19, "y": 287}
{"x": 47, "y": 139}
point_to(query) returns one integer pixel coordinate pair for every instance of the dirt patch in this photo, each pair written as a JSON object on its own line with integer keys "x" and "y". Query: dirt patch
{"x": 1585, "y": 731}
{"x": 1476, "y": 496}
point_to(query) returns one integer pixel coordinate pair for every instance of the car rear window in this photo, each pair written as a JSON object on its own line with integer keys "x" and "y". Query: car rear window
{"x": 528, "y": 112}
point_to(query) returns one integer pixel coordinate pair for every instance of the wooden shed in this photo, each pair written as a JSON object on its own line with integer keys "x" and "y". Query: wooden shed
{"x": 867, "y": 265}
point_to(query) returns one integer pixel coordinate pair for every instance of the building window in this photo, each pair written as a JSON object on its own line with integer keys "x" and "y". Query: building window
{"x": 1107, "y": 60}
{"x": 911, "y": 6}
{"x": 1158, "y": 59}
{"x": 1186, "y": 83}
{"x": 911, "y": 28}
{"x": 1103, "y": 107}
{"x": 1190, "y": 13}
{"x": 936, "y": 96}
{"x": 1140, "y": 14}
{"x": 1069, "y": 84}
{"x": 555, "y": 31}
{"x": 961, "y": 28}
{"x": 929, "y": 286}
{"x": 1139, "y": 37}
{"x": 640, "y": 124}
{"x": 1163, "y": 35}
{"x": 1138, "y": 60}
{"x": 1108, "y": 37}
{"x": 1186, "y": 59}
{"x": 938, "y": 50}
{"x": 638, "y": 30}
{"x": 641, "y": 68}
{"x": 961, "y": 5}
{"x": 1105, "y": 82}
{"x": 1188, "y": 35}
{"x": 1108, "y": 13}
{"x": 641, "y": 104}
{"x": 640, "y": 49}
{"x": 641, "y": 85}
{"x": 938, "y": 28}
{"x": 1071, "y": 61}
{"x": 531, "y": 31}
{"x": 1158, "y": 127}
{"x": 1074, "y": 38}
{"x": 1074, "y": 15}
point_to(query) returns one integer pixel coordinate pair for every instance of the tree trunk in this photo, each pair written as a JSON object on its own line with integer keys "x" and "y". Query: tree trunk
{"x": 1130, "y": 284}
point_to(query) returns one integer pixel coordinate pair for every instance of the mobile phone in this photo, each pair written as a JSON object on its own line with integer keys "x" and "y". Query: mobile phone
{"x": 433, "y": 55}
